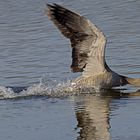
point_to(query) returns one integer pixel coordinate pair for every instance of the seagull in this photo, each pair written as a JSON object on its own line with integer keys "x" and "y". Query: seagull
{"x": 88, "y": 45}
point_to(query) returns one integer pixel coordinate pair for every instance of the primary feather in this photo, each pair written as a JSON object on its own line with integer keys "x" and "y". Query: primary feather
{"x": 87, "y": 41}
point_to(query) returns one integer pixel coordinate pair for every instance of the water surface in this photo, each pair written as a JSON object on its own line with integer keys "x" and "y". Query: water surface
{"x": 34, "y": 54}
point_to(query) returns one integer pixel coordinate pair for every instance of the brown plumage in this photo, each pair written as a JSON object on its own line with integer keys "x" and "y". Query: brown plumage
{"x": 88, "y": 49}
{"x": 78, "y": 30}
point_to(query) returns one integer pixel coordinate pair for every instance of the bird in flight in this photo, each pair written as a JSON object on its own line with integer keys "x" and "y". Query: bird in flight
{"x": 88, "y": 50}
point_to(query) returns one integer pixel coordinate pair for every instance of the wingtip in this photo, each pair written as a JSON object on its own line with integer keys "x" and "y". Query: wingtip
{"x": 49, "y": 8}
{"x": 53, "y": 8}
{"x": 49, "y": 5}
{"x": 52, "y": 5}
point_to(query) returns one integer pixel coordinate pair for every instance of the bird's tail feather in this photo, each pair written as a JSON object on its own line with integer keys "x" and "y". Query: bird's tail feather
{"x": 133, "y": 81}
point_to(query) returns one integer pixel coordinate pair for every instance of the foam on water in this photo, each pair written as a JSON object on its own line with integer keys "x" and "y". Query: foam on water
{"x": 45, "y": 87}
{"x": 39, "y": 89}
{"x": 6, "y": 93}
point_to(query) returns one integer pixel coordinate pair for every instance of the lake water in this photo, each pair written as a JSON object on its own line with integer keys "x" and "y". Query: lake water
{"x": 36, "y": 57}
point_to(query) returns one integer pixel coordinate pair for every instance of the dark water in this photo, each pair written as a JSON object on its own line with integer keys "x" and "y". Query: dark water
{"x": 33, "y": 53}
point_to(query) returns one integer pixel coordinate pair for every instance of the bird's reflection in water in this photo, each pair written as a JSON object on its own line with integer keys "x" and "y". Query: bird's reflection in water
{"x": 93, "y": 114}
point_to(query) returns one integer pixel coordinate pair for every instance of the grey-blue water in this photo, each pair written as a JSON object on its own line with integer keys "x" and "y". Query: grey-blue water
{"x": 34, "y": 54}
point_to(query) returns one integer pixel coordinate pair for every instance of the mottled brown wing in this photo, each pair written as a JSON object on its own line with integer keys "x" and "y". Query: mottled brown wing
{"x": 84, "y": 36}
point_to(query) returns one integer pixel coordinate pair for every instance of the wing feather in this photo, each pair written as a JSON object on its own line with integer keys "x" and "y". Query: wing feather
{"x": 87, "y": 41}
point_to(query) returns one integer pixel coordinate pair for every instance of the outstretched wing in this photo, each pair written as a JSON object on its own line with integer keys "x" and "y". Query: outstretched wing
{"x": 87, "y": 41}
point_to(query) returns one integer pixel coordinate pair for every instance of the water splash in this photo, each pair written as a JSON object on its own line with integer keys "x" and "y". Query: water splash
{"x": 43, "y": 88}
{"x": 6, "y": 93}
